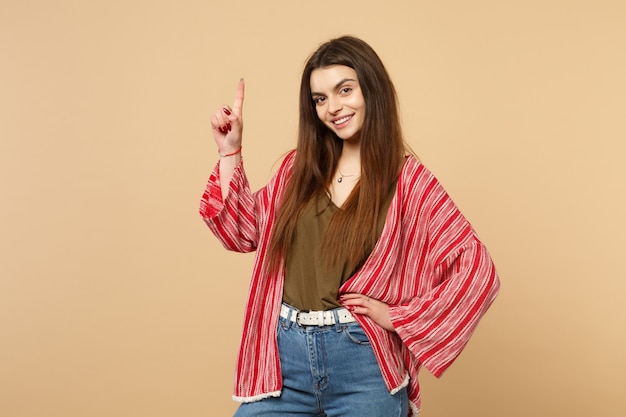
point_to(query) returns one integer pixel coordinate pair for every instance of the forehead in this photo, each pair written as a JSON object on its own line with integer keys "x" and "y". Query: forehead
{"x": 328, "y": 78}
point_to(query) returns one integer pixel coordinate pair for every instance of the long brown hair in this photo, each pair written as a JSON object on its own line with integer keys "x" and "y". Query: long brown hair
{"x": 351, "y": 235}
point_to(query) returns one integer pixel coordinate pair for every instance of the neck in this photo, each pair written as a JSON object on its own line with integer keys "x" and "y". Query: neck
{"x": 350, "y": 155}
{"x": 349, "y": 164}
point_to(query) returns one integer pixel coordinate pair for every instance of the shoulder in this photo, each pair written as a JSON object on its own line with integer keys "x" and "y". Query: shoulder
{"x": 286, "y": 164}
{"x": 288, "y": 159}
{"x": 418, "y": 184}
{"x": 414, "y": 172}
{"x": 281, "y": 175}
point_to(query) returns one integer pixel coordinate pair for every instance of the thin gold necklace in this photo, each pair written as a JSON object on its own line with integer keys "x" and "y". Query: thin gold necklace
{"x": 341, "y": 176}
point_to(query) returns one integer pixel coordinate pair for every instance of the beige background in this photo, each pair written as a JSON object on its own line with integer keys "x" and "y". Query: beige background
{"x": 115, "y": 300}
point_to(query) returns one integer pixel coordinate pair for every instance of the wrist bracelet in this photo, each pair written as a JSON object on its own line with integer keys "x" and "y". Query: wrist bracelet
{"x": 222, "y": 155}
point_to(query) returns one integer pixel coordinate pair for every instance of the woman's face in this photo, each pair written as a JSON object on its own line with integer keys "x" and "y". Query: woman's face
{"x": 338, "y": 99}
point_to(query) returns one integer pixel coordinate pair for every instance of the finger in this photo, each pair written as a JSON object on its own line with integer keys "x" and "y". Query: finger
{"x": 222, "y": 116}
{"x": 218, "y": 123}
{"x": 350, "y": 296}
{"x": 362, "y": 310}
{"x": 353, "y": 297}
{"x": 215, "y": 123}
{"x": 238, "y": 105}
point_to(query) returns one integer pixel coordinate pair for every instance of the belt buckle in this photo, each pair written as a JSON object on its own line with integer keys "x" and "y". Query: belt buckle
{"x": 298, "y": 317}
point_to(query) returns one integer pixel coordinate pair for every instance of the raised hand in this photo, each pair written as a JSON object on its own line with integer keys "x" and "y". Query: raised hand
{"x": 227, "y": 124}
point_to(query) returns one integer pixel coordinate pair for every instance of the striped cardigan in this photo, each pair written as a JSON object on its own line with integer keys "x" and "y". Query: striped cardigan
{"x": 428, "y": 266}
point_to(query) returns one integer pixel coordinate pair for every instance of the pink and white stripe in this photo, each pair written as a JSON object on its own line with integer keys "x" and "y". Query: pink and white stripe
{"x": 428, "y": 265}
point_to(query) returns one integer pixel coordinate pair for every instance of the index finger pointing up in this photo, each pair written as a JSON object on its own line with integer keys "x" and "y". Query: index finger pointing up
{"x": 238, "y": 105}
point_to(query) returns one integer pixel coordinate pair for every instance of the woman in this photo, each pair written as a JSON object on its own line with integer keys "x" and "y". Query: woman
{"x": 365, "y": 269}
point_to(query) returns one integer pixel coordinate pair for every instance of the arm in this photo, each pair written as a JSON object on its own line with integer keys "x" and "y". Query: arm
{"x": 461, "y": 281}
{"x": 434, "y": 279}
{"x": 240, "y": 220}
{"x": 231, "y": 219}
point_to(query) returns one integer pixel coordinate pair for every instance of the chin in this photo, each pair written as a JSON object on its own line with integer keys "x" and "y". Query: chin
{"x": 349, "y": 137}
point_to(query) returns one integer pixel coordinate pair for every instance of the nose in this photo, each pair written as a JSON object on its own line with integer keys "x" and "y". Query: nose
{"x": 334, "y": 105}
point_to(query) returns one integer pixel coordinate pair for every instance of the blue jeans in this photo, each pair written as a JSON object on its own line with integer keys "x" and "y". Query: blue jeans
{"x": 328, "y": 371}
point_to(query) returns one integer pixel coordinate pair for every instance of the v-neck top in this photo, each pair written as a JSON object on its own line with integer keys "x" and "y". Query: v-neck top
{"x": 309, "y": 285}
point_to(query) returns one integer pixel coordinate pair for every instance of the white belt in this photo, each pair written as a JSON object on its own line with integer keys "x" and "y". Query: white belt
{"x": 316, "y": 318}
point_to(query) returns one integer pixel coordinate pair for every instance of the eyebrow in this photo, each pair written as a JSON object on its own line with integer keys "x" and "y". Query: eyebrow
{"x": 339, "y": 84}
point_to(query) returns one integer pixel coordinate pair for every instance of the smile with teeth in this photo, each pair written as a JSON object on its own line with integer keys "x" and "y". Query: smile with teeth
{"x": 342, "y": 120}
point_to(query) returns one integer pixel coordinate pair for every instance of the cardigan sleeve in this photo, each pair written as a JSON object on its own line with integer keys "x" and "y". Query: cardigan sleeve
{"x": 460, "y": 283}
{"x": 232, "y": 220}
{"x": 239, "y": 220}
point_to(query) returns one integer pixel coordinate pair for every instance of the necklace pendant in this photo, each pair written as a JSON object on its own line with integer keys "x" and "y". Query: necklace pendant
{"x": 339, "y": 179}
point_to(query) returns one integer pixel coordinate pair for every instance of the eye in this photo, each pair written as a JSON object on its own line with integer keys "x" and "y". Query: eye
{"x": 319, "y": 100}
{"x": 345, "y": 90}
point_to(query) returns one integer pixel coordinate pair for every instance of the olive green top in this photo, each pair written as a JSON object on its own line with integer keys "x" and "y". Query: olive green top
{"x": 308, "y": 284}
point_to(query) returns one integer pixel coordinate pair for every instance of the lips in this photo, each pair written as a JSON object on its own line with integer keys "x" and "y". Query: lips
{"x": 342, "y": 120}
